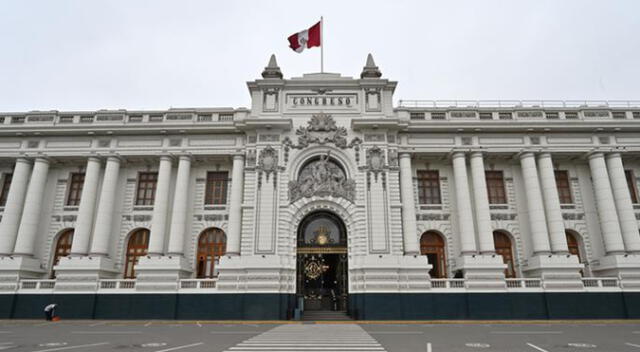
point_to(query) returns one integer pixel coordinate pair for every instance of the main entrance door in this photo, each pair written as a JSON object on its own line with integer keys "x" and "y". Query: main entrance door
{"x": 322, "y": 279}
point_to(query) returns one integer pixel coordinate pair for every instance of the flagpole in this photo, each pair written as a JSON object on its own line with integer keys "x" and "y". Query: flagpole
{"x": 321, "y": 45}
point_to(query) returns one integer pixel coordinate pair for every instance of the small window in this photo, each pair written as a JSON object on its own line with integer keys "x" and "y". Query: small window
{"x": 619, "y": 115}
{"x": 438, "y": 116}
{"x": 86, "y": 119}
{"x": 156, "y": 118}
{"x": 6, "y": 184}
{"x": 631, "y": 182}
{"x": 505, "y": 116}
{"x": 486, "y": 116}
{"x": 216, "y": 192}
{"x": 225, "y": 117}
{"x": 417, "y": 116}
{"x": 570, "y": 115}
{"x": 552, "y": 115}
{"x": 146, "y": 193}
{"x": 636, "y": 114}
{"x": 17, "y": 119}
{"x": 76, "y": 183}
{"x": 205, "y": 118}
{"x": 429, "y": 187}
{"x": 135, "y": 118}
{"x": 564, "y": 187}
{"x": 66, "y": 119}
{"x": 495, "y": 187}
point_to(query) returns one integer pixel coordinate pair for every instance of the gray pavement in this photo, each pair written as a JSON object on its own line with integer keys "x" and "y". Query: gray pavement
{"x": 166, "y": 336}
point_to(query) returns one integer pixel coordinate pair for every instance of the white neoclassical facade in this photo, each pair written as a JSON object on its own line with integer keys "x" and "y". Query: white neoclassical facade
{"x": 322, "y": 191}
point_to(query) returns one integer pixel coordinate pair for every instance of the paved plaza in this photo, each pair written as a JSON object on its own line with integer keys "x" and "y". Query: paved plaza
{"x": 199, "y": 336}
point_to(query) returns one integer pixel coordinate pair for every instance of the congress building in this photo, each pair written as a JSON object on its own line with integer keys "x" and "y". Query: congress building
{"x": 323, "y": 200}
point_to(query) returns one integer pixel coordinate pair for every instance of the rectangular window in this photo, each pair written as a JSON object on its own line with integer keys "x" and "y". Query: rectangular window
{"x": 6, "y": 183}
{"x": 495, "y": 187}
{"x": 146, "y": 193}
{"x": 552, "y": 115}
{"x": 438, "y": 116}
{"x": 570, "y": 115}
{"x": 564, "y": 187}
{"x": 631, "y": 182}
{"x": 416, "y": 116}
{"x": 429, "y": 187}
{"x": 619, "y": 115}
{"x": 486, "y": 116}
{"x": 216, "y": 192}
{"x": 76, "y": 182}
{"x": 505, "y": 116}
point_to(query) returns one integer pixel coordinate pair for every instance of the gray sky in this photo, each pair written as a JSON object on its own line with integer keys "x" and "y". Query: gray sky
{"x": 73, "y": 55}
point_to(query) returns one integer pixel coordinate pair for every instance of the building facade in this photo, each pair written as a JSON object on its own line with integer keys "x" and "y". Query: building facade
{"x": 323, "y": 196}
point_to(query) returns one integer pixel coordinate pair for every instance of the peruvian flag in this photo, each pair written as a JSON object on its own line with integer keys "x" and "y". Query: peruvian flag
{"x": 306, "y": 39}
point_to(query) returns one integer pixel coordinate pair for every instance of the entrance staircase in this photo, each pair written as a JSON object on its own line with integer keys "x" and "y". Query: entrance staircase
{"x": 323, "y": 315}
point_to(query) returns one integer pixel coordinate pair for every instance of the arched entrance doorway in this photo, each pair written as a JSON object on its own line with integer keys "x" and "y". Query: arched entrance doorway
{"x": 505, "y": 249}
{"x": 432, "y": 246}
{"x": 322, "y": 265}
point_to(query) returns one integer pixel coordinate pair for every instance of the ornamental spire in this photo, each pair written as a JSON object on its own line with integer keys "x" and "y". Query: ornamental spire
{"x": 272, "y": 70}
{"x": 370, "y": 69}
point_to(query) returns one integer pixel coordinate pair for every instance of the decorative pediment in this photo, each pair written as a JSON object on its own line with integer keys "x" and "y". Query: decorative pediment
{"x": 321, "y": 129}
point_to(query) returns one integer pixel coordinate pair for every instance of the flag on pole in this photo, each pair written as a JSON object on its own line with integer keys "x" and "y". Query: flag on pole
{"x": 306, "y": 39}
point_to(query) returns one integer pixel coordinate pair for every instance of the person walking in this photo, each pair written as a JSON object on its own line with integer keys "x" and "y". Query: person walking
{"x": 49, "y": 311}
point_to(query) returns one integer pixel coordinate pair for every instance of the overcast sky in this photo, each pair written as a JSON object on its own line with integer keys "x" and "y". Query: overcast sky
{"x": 75, "y": 55}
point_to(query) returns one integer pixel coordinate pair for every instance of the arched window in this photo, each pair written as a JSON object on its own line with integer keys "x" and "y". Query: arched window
{"x": 212, "y": 244}
{"x": 137, "y": 247}
{"x": 572, "y": 243}
{"x": 63, "y": 248}
{"x": 504, "y": 248}
{"x": 432, "y": 245}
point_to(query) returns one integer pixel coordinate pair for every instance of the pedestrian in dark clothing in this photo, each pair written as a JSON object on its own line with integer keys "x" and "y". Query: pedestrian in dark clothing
{"x": 49, "y": 311}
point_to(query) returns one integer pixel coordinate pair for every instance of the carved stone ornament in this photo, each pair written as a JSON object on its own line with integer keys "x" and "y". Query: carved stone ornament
{"x": 321, "y": 129}
{"x": 322, "y": 178}
{"x": 375, "y": 159}
{"x": 268, "y": 160}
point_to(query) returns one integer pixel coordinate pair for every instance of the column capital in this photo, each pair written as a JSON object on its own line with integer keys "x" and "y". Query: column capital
{"x": 94, "y": 158}
{"x": 186, "y": 157}
{"x": 166, "y": 158}
{"x": 42, "y": 159}
{"x": 403, "y": 155}
{"x": 23, "y": 160}
{"x": 526, "y": 154}
{"x": 114, "y": 159}
{"x": 544, "y": 155}
{"x": 458, "y": 154}
{"x": 477, "y": 154}
{"x": 613, "y": 155}
{"x": 239, "y": 157}
{"x": 595, "y": 154}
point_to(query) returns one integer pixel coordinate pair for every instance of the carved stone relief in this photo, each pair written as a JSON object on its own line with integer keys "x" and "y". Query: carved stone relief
{"x": 322, "y": 178}
{"x": 321, "y": 130}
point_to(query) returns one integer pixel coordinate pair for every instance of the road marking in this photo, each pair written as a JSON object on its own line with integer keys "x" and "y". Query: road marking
{"x": 106, "y": 332}
{"x": 632, "y": 344}
{"x": 52, "y": 344}
{"x": 73, "y": 347}
{"x": 6, "y": 332}
{"x": 236, "y": 332}
{"x": 536, "y": 347}
{"x": 147, "y": 324}
{"x": 428, "y": 346}
{"x": 581, "y": 345}
{"x": 154, "y": 344}
{"x": 181, "y": 347}
{"x": 198, "y": 323}
{"x": 100, "y": 323}
{"x": 396, "y": 332}
{"x": 478, "y": 345}
{"x": 6, "y": 347}
{"x": 526, "y": 332}
{"x": 41, "y": 324}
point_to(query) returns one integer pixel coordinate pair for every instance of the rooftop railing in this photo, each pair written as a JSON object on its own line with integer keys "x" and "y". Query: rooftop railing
{"x": 475, "y": 104}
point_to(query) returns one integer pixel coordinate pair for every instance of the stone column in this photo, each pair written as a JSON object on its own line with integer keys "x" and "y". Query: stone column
{"x": 463, "y": 205}
{"x": 537, "y": 219}
{"x": 555, "y": 223}
{"x": 481, "y": 201}
{"x": 180, "y": 207}
{"x": 609, "y": 226}
{"x": 86, "y": 209}
{"x": 235, "y": 206}
{"x": 104, "y": 217}
{"x": 409, "y": 227}
{"x": 626, "y": 214}
{"x": 33, "y": 204}
{"x": 160, "y": 205}
{"x": 13, "y": 207}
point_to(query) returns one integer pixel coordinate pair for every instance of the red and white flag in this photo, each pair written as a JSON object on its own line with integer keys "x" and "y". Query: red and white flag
{"x": 306, "y": 39}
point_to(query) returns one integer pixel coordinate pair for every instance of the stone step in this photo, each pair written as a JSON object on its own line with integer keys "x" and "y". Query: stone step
{"x": 325, "y": 315}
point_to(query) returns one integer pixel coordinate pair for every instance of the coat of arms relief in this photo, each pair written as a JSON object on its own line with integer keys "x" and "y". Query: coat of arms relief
{"x": 322, "y": 177}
